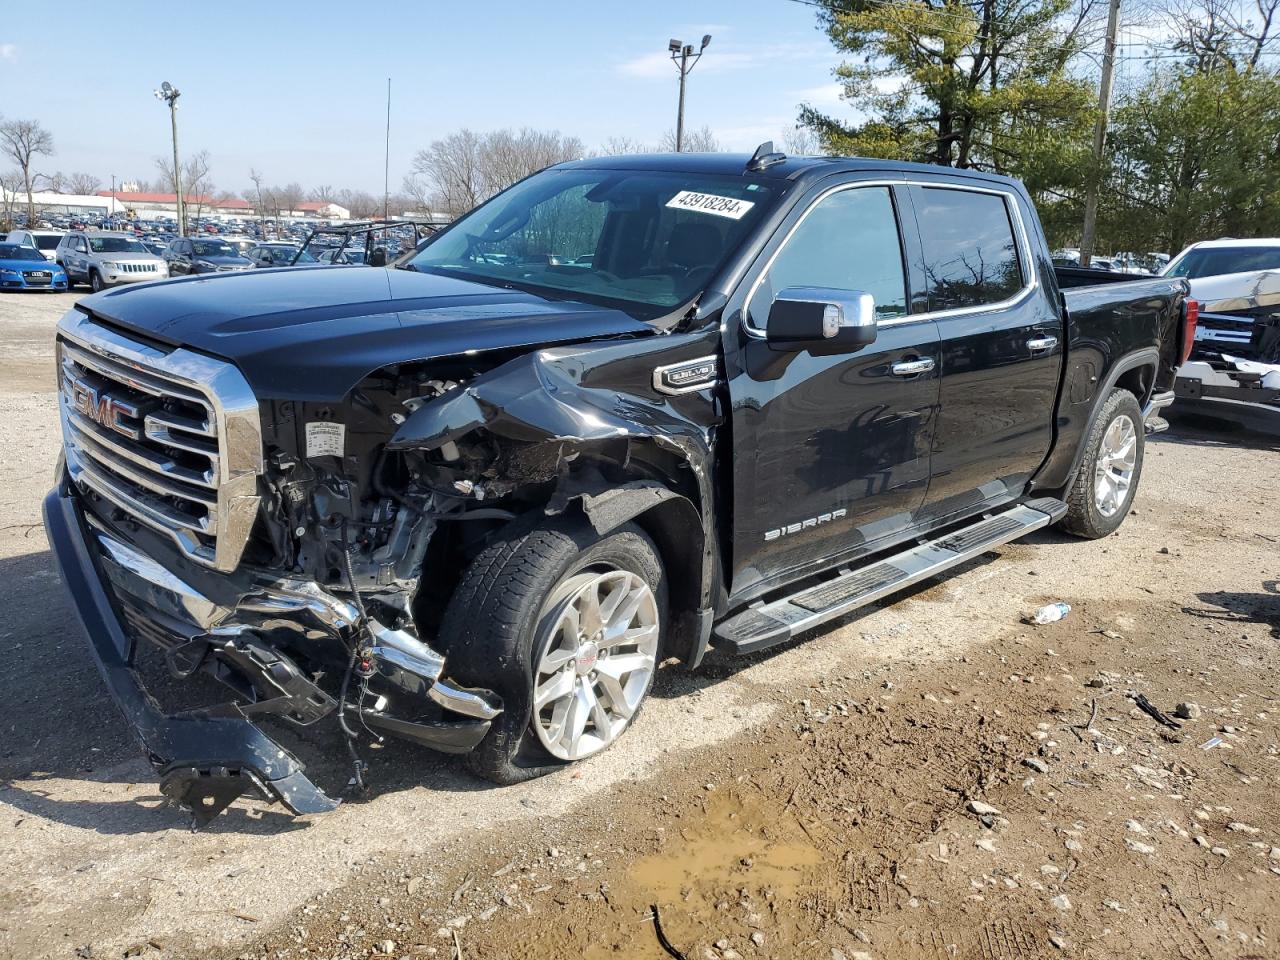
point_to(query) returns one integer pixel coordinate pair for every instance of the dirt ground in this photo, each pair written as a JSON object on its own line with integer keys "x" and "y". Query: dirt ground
{"x": 932, "y": 778}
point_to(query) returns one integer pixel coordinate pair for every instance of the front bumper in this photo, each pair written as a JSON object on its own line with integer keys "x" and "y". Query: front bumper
{"x": 207, "y": 758}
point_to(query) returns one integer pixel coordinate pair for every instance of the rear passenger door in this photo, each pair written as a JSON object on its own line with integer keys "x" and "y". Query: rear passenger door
{"x": 1001, "y": 345}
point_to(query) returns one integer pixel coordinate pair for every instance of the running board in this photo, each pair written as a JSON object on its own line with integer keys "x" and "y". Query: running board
{"x": 766, "y": 624}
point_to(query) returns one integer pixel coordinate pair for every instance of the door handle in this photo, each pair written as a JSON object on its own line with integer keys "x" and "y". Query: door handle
{"x": 909, "y": 368}
{"x": 1041, "y": 344}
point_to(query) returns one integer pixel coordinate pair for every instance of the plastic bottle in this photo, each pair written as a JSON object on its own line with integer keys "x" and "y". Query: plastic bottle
{"x": 1052, "y": 613}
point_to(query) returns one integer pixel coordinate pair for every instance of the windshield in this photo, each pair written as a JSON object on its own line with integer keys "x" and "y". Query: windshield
{"x": 644, "y": 239}
{"x": 212, "y": 248}
{"x": 11, "y": 252}
{"x": 1215, "y": 261}
{"x": 116, "y": 245}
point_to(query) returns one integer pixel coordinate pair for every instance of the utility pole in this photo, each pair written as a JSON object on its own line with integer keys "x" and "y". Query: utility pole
{"x": 684, "y": 58}
{"x": 113, "y": 200}
{"x": 169, "y": 94}
{"x": 1100, "y": 136}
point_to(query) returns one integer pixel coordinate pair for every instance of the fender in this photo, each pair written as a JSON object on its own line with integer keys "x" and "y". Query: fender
{"x": 1050, "y": 478}
{"x": 600, "y": 398}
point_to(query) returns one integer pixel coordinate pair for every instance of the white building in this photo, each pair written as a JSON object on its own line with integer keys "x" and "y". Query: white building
{"x": 70, "y": 203}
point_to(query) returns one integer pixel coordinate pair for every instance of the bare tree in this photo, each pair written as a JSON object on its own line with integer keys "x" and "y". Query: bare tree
{"x": 359, "y": 203}
{"x": 323, "y": 194}
{"x": 618, "y": 146}
{"x": 289, "y": 197}
{"x": 196, "y": 183}
{"x": 23, "y": 141}
{"x": 465, "y": 168}
{"x": 83, "y": 184}
{"x": 799, "y": 142}
{"x": 259, "y": 204}
{"x": 10, "y": 184}
{"x": 701, "y": 140}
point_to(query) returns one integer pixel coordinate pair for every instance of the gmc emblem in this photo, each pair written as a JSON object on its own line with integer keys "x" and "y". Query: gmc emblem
{"x": 104, "y": 409}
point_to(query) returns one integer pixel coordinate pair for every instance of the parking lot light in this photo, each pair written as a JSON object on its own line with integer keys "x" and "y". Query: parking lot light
{"x": 169, "y": 94}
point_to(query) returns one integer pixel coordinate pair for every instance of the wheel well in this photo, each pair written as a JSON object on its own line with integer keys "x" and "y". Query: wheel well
{"x": 1138, "y": 381}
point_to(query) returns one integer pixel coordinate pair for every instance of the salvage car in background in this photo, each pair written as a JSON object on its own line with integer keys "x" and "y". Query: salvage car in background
{"x": 474, "y": 500}
{"x": 279, "y": 255}
{"x": 104, "y": 259}
{"x": 204, "y": 255}
{"x": 23, "y": 269}
{"x": 1234, "y": 372}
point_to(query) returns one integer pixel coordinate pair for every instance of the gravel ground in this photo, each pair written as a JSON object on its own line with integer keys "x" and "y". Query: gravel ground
{"x": 822, "y": 800}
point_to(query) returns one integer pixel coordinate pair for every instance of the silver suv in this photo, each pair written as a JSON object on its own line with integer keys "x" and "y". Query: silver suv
{"x": 103, "y": 259}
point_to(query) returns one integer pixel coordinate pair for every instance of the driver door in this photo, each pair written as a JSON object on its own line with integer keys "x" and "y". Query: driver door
{"x": 831, "y": 446}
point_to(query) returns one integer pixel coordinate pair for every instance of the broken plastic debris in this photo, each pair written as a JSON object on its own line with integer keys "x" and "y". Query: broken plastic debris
{"x": 1052, "y": 613}
{"x": 1210, "y": 743}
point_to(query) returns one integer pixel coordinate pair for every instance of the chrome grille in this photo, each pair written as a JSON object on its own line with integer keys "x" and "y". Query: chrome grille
{"x": 170, "y": 437}
{"x": 143, "y": 267}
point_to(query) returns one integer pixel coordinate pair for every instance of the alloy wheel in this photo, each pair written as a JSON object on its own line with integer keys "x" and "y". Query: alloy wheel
{"x": 1116, "y": 463}
{"x": 597, "y": 659}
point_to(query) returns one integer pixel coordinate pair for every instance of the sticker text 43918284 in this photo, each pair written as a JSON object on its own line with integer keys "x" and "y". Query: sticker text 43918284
{"x": 710, "y": 203}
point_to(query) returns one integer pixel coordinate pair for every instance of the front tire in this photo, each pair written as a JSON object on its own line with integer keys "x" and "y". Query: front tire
{"x": 1103, "y": 491}
{"x": 566, "y": 626}
{"x": 95, "y": 282}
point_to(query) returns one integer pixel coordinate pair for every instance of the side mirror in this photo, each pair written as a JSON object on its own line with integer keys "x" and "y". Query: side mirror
{"x": 822, "y": 317}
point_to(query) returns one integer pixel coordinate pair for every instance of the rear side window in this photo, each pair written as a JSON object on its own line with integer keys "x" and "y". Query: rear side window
{"x": 847, "y": 241}
{"x": 970, "y": 251}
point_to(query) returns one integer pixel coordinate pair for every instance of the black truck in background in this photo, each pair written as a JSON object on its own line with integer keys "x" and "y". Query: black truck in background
{"x": 626, "y": 410}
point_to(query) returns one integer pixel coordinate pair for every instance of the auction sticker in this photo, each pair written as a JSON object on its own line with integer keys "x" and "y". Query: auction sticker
{"x": 325, "y": 439}
{"x": 710, "y": 203}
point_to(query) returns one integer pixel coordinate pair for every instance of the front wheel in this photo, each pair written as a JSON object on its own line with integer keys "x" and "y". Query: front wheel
{"x": 566, "y": 626}
{"x": 1103, "y": 491}
{"x": 95, "y": 281}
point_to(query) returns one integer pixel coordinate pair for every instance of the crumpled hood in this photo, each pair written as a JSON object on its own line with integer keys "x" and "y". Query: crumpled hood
{"x": 307, "y": 333}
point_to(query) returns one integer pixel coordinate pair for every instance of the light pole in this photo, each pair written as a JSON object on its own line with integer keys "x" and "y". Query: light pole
{"x": 113, "y": 200}
{"x": 169, "y": 94}
{"x": 684, "y": 58}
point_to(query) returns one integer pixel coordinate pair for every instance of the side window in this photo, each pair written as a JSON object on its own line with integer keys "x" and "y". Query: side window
{"x": 970, "y": 253}
{"x": 848, "y": 241}
{"x": 81, "y": 246}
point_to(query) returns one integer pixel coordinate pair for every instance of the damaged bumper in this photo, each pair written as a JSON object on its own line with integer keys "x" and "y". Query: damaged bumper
{"x": 208, "y": 757}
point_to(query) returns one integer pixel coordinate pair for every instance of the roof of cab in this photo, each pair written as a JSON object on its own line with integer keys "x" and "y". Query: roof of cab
{"x": 790, "y": 168}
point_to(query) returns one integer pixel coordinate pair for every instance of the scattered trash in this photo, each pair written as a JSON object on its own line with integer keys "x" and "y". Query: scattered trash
{"x": 1188, "y": 711}
{"x": 1051, "y": 613}
{"x": 1211, "y": 743}
{"x": 1151, "y": 710}
{"x": 662, "y": 937}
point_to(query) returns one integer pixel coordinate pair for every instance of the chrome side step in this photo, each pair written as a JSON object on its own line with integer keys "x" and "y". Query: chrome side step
{"x": 766, "y": 624}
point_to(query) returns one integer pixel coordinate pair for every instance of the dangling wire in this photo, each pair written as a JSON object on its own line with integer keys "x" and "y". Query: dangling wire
{"x": 361, "y": 626}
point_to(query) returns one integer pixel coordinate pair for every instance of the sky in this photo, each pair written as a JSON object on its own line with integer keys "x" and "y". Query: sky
{"x": 297, "y": 89}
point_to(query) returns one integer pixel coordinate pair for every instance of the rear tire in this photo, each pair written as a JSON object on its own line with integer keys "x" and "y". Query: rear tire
{"x": 1103, "y": 491}
{"x": 504, "y": 628}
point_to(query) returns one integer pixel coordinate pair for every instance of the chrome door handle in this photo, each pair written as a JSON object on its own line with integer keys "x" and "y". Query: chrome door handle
{"x": 1041, "y": 344}
{"x": 909, "y": 368}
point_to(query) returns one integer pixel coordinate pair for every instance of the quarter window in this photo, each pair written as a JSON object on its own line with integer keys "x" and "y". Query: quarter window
{"x": 970, "y": 254}
{"x": 848, "y": 241}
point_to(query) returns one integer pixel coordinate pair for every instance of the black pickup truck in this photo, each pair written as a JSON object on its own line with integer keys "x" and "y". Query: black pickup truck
{"x": 626, "y": 410}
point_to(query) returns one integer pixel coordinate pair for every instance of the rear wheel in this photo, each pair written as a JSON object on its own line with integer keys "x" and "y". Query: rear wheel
{"x": 1103, "y": 491}
{"x": 566, "y": 626}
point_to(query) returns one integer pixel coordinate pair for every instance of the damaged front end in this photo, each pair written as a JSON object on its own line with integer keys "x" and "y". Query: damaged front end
{"x": 304, "y": 553}
{"x": 208, "y": 757}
